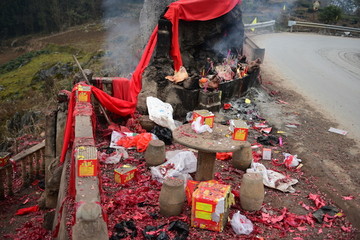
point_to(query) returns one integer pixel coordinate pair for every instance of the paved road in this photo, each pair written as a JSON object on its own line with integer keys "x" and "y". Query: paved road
{"x": 324, "y": 69}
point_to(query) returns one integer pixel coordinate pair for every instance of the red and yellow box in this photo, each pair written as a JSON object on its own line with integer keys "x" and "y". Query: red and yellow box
{"x": 83, "y": 93}
{"x": 124, "y": 173}
{"x": 207, "y": 117}
{"x": 240, "y": 130}
{"x": 87, "y": 167}
{"x": 210, "y": 206}
{"x": 87, "y": 163}
{"x": 191, "y": 186}
{"x": 4, "y": 158}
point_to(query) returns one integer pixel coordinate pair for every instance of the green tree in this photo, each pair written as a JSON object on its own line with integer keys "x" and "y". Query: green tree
{"x": 330, "y": 15}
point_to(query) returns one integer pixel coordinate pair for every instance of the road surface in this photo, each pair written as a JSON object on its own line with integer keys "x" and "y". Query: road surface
{"x": 324, "y": 69}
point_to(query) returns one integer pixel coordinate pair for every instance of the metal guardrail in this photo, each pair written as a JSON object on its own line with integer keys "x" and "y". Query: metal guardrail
{"x": 260, "y": 25}
{"x": 320, "y": 25}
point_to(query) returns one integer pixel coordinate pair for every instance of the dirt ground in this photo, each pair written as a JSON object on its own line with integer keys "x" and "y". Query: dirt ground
{"x": 332, "y": 159}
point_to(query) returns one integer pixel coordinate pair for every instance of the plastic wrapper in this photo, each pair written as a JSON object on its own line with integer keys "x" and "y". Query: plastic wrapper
{"x": 164, "y": 134}
{"x": 180, "y": 164}
{"x": 114, "y": 156}
{"x": 241, "y": 224}
{"x": 199, "y": 128}
{"x": 273, "y": 179}
{"x": 291, "y": 161}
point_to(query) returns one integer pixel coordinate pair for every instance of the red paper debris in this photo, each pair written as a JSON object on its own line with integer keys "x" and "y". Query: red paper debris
{"x": 348, "y": 197}
{"x": 227, "y": 106}
{"x": 319, "y": 202}
{"x": 23, "y": 211}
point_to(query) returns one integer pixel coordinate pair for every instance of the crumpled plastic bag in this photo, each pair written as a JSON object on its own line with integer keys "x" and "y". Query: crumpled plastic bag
{"x": 161, "y": 113}
{"x": 179, "y": 164}
{"x": 199, "y": 128}
{"x": 241, "y": 224}
{"x": 179, "y": 76}
{"x": 273, "y": 179}
{"x": 114, "y": 156}
{"x": 164, "y": 134}
{"x": 291, "y": 161}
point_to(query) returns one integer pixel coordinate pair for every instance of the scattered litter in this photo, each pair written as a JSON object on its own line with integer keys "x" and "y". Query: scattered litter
{"x": 291, "y": 126}
{"x": 180, "y": 164}
{"x": 266, "y": 155}
{"x": 200, "y": 128}
{"x": 227, "y": 106}
{"x": 124, "y": 229}
{"x": 164, "y": 134}
{"x": 281, "y": 101}
{"x": 347, "y": 197}
{"x": 291, "y": 161}
{"x": 266, "y": 130}
{"x": 27, "y": 210}
{"x": 338, "y": 131}
{"x": 268, "y": 140}
{"x": 161, "y": 113}
{"x": 248, "y": 101}
{"x": 241, "y": 224}
{"x": 273, "y": 179}
{"x": 320, "y": 213}
{"x": 112, "y": 155}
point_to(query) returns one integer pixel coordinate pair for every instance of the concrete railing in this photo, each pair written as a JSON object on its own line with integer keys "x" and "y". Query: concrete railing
{"x": 31, "y": 163}
{"x": 291, "y": 24}
{"x": 82, "y": 162}
{"x": 252, "y": 51}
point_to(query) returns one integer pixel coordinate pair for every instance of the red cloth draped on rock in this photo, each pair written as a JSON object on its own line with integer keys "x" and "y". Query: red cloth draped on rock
{"x": 127, "y": 90}
{"x": 193, "y": 10}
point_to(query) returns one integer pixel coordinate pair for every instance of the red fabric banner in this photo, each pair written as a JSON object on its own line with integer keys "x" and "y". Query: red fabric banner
{"x": 193, "y": 10}
{"x": 126, "y": 91}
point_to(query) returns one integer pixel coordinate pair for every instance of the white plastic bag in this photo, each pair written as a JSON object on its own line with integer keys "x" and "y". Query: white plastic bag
{"x": 241, "y": 224}
{"x": 273, "y": 179}
{"x": 199, "y": 128}
{"x": 291, "y": 160}
{"x": 179, "y": 164}
{"x": 161, "y": 113}
{"x": 113, "y": 157}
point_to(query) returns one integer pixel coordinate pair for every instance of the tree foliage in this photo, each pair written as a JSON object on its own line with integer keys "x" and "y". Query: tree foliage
{"x": 20, "y": 17}
{"x": 330, "y": 14}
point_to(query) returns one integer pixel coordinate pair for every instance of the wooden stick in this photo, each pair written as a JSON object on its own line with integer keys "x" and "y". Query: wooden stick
{"x": 88, "y": 82}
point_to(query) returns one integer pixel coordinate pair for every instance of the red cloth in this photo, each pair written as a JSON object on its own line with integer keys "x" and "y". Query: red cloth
{"x": 193, "y": 10}
{"x": 188, "y": 10}
{"x": 121, "y": 88}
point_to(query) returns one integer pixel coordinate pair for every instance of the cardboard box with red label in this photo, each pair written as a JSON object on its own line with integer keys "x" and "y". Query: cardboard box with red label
{"x": 240, "y": 130}
{"x": 124, "y": 173}
{"x": 83, "y": 93}
{"x": 87, "y": 163}
{"x": 207, "y": 117}
{"x": 210, "y": 206}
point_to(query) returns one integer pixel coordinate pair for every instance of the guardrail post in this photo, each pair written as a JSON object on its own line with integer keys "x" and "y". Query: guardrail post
{"x": 9, "y": 172}
{"x": 37, "y": 163}
{"x": 24, "y": 173}
{"x": 31, "y": 167}
{"x": 2, "y": 192}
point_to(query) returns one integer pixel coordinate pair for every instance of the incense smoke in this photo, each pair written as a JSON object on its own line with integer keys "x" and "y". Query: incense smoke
{"x": 122, "y": 51}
